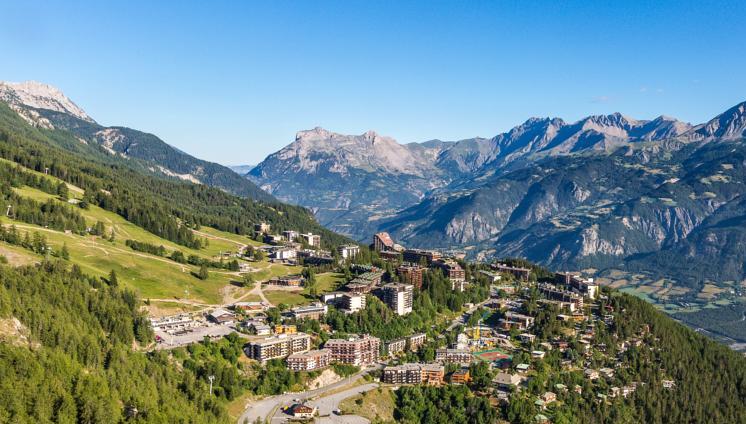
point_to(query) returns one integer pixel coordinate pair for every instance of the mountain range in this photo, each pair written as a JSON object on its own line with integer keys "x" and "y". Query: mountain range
{"x": 661, "y": 196}
{"x": 607, "y": 191}
{"x": 46, "y": 107}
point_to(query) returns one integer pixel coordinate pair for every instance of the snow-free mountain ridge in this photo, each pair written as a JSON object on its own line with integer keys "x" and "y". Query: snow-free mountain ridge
{"x": 47, "y": 107}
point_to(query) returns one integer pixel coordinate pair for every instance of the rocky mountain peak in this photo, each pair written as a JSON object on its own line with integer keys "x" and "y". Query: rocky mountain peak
{"x": 315, "y": 132}
{"x": 36, "y": 95}
{"x": 730, "y": 124}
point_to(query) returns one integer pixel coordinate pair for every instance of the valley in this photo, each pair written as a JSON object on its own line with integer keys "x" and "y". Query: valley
{"x": 236, "y": 302}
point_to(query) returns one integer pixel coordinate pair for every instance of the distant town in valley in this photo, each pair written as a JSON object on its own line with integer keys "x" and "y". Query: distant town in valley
{"x": 515, "y": 319}
{"x": 373, "y": 212}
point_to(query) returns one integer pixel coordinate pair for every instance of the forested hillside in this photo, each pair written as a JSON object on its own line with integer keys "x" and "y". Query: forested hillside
{"x": 163, "y": 206}
{"x": 45, "y": 106}
{"x": 71, "y": 358}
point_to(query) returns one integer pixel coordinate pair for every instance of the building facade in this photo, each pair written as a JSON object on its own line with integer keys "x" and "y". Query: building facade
{"x": 430, "y": 374}
{"x": 280, "y": 346}
{"x": 416, "y": 256}
{"x": 309, "y": 361}
{"x": 453, "y": 356}
{"x": 382, "y": 242}
{"x": 349, "y": 251}
{"x": 411, "y": 274}
{"x": 312, "y": 311}
{"x": 313, "y": 240}
{"x": 356, "y": 350}
{"x": 398, "y": 297}
{"x": 520, "y": 273}
{"x": 287, "y": 281}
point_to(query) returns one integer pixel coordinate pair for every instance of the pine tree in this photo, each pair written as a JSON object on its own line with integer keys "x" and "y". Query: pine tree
{"x": 113, "y": 279}
{"x": 203, "y": 273}
{"x": 64, "y": 253}
{"x": 62, "y": 191}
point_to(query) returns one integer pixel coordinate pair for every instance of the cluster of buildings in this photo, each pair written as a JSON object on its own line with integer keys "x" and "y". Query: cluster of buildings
{"x": 573, "y": 295}
{"x": 292, "y": 246}
{"x": 416, "y": 261}
{"x": 296, "y": 349}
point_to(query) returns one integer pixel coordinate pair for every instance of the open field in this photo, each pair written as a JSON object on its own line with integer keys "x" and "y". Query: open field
{"x": 171, "y": 286}
{"x": 376, "y": 405}
{"x": 18, "y": 256}
{"x": 152, "y": 277}
{"x": 267, "y": 270}
{"x": 163, "y": 308}
{"x": 329, "y": 281}
{"x": 325, "y": 282}
{"x": 123, "y": 229}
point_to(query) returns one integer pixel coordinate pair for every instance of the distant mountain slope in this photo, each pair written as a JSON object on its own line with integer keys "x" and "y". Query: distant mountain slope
{"x": 353, "y": 182}
{"x": 350, "y": 181}
{"x": 47, "y": 107}
{"x": 670, "y": 208}
{"x": 605, "y": 191}
{"x": 241, "y": 169}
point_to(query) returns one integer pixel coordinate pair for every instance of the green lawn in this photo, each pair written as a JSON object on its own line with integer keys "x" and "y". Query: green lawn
{"x": 290, "y": 298}
{"x": 329, "y": 281}
{"x": 324, "y": 283}
{"x": 269, "y": 270}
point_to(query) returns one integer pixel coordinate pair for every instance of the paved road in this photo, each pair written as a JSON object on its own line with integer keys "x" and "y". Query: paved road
{"x": 328, "y": 404}
{"x": 266, "y": 407}
{"x": 463, "y": 318}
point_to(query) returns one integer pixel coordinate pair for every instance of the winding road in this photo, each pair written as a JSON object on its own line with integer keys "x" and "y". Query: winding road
{"x": 266, "y": 408}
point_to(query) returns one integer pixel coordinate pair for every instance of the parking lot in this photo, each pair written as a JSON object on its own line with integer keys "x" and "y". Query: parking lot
{"x": 192, "y": 335}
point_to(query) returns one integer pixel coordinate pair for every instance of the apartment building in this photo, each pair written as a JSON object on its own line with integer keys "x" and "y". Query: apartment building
{"x": 553, "y": 293}
{"x": 280, "y": 346}
{"x": 453, "y": 271}
{"x": 382, "y": 242}
{"x": 348, "y": 251}
{"x": 356, "y": 350}
{"x": 519, "y": 273}
{"x": 313, "y": 240}
{"x": 453, "y": 356}
{"x": 516, "y": 320}
{"x": 398, "y": 297}
{"x": 411, "y": 274}
{"x": 309, "y": 361}
{"x": 290, "y": 235}
{"x": 416, "y": 256}
{"x": 262, "y": 227}
{"x": 287, "y": 281}
{"x": 395, "y": 347}
{"x": 313, "y": 311}
{"x": 430, "y": 374}
{"x": 416, "y": 341}
{"x": 346, "y": 301}
{"x": 365, "y": 282}
{"x": 584, "y": 286}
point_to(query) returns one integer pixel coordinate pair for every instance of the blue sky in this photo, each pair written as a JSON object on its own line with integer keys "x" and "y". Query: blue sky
{"x": 233, "y": 81}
